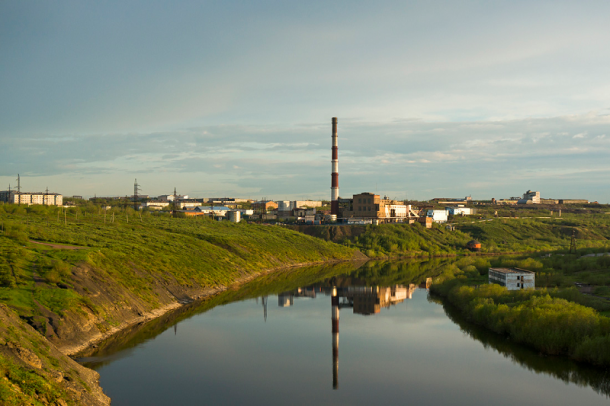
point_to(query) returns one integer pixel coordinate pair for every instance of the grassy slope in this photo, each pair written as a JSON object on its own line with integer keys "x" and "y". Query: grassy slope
{"x": 182, "y": 251}
{"x": 126, "y": 269}
{"x": 496, "y": 235}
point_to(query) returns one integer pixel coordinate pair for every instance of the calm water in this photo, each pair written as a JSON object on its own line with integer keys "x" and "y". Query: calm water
{"x": 394, "y": 345}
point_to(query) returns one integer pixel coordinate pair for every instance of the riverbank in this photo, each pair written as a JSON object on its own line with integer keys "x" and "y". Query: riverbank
{"x": 194, "y": 296}
{"x": 125, "y": 273}
{"x": 498, "y": 236}
{"x": 554, "y": 321}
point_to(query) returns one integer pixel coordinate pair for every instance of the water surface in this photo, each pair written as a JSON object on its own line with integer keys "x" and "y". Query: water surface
{"x": 275, "y": 342}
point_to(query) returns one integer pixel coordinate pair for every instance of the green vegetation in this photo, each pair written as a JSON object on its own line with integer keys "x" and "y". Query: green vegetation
{"x": 551, "y": 320}
{"x": 133, "y": 257}
{"x": 497, "y": 235}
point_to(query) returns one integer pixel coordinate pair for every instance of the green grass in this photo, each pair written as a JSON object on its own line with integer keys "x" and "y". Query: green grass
{"x": 136, "y": 255}
{"x": 497, "y": 235}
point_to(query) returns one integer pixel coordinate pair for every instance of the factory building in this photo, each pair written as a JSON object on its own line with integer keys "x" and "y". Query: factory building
{"x": 264, "y": 206}
{"x": 530, "y": 197}
{"x": 438, "y": 216}
{"x": 459, "y": 211}
{"x": 155, "y": 204}
{"x": 513, "y": 278}
{"x": 289, "y": 205}
{"x": 371, "y": 208}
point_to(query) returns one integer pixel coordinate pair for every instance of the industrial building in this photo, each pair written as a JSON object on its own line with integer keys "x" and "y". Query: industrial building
{"x": 459, "y": 211}
{"x": 438, "y": 216}
{"x": 155, "y": 204}
{"x": 365, "y": 207}
{"x": 264, "y": 206}
{"x": 289, "y": 205}
{"x": 513, "y": 278}
{"x": 530, "y": 197}
{"x": 573, "y": 201}
{"x": 43, "y": 198}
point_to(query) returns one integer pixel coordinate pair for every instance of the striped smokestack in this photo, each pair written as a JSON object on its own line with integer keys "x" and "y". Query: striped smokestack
{"x": 334, "y": 185}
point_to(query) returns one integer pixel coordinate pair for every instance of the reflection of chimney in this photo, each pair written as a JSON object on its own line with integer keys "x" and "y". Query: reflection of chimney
{"x": 334, "y": 185}
{"x": 335, "y": 320}
{"x": 264, "y": 298}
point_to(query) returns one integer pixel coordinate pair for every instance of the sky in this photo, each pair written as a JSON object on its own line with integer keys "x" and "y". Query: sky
{"x": 235, "y": 98}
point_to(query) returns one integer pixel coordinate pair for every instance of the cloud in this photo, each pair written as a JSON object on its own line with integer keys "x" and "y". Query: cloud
{"x": 423, "y": 158}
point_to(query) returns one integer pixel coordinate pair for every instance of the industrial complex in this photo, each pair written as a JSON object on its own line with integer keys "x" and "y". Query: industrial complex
{"x": 361, "y": 208}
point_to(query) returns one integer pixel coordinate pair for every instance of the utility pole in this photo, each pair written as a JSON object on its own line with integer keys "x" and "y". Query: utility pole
{"x": 573, "y": 242}
{"x": 19, "y": 188}
{"x": 174, "y": 202}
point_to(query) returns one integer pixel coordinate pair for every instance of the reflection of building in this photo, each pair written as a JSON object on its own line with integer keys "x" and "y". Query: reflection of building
{"x": 371, "y": 299}
{"x": 285, "y": 299}
{"x": 362, "y": 299}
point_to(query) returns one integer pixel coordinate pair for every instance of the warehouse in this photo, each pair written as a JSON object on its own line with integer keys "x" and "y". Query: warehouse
{"x": 513, "y": 278}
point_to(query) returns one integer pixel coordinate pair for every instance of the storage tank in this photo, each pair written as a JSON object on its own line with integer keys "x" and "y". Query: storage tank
{"x": 234, "y": 216}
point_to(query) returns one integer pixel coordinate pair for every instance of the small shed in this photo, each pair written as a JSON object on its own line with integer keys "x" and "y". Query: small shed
{"x": 473, "y": 245}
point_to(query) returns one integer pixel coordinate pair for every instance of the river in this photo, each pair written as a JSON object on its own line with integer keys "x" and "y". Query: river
{"x": 333, "y": 335}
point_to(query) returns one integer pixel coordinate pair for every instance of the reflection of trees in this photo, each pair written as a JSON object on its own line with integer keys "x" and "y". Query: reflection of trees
{"x": 559, "y": 367}
{"x": 385, "y": 273}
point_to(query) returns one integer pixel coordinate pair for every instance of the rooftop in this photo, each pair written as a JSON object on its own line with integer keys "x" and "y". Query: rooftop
{"x": 511, "y": 270}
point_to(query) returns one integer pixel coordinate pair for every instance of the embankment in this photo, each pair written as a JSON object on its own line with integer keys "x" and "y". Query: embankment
{"x": 127, "y": 273}
{"x": 552, "y": 321}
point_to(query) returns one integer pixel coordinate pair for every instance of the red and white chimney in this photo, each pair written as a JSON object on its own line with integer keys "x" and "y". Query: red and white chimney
{"x": 334, "y": 185}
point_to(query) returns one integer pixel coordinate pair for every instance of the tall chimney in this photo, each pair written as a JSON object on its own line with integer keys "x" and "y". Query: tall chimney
{"x": 334, "y": 185}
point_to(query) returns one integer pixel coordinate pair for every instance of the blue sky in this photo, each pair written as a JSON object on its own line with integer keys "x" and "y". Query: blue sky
{"x": 234, "y": 98}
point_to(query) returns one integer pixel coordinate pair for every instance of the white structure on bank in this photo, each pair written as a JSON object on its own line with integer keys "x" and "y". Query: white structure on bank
{"x": 513, "y": 278}
{"x": 438, "y": 216}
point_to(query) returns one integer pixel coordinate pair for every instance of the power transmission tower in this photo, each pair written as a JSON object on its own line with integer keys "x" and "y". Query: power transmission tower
{"x": 573, "y": 242}
{"x": 136, "y": 189}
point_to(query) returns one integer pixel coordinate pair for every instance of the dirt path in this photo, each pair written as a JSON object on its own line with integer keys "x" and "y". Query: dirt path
{"x": 57, "y": 246}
